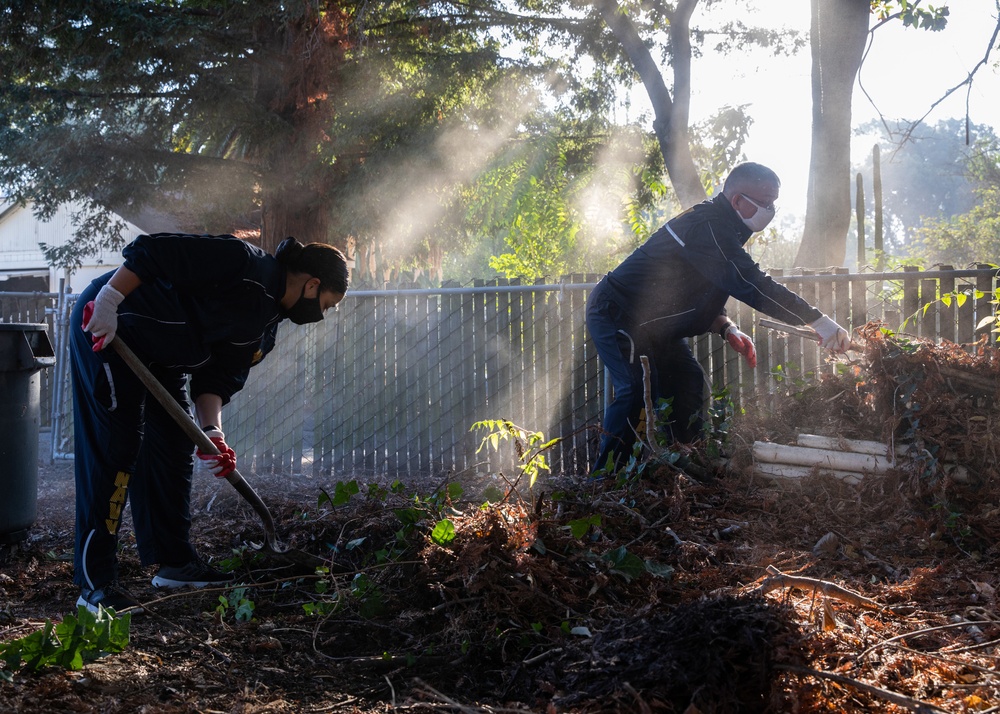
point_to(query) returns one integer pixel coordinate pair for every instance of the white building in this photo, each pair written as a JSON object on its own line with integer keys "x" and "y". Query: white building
{"x": 23, "y": 267}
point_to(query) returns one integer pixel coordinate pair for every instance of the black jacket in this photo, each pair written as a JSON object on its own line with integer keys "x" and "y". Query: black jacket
{"x": 207, "y": 306}
{"x": 678, "y": 281}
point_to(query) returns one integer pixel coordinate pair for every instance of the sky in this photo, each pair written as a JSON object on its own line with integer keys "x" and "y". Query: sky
{"x": 905, "y": 72}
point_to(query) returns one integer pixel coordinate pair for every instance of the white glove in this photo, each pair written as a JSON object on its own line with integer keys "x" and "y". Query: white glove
{"x": 104, "y": 321}
{"x": 832, "y": 336}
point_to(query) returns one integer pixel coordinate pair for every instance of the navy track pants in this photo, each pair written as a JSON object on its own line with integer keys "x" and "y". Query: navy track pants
{"x": 127, "y": 449}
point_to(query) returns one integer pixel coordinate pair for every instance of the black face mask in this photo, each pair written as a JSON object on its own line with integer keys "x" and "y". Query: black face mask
{"x": 305, "y": 310}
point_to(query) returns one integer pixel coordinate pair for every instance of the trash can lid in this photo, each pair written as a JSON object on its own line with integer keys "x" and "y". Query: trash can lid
{"x": 25, "y": 346}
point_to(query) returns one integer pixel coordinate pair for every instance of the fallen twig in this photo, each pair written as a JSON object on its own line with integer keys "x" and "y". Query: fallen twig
{"x": 647, "y": 398}
{"x": 900, "y": 700}
{"x": 778, "y": 579}
{"x": 917, "y": 633}
{"x": 643, "y": 706}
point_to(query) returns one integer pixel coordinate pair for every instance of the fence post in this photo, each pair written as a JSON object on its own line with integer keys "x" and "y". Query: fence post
{"x": 911, "y": 297}
{"x": 948, "y": 315}
{"x": 859, "y": 211}
{"x": 878, "y": 244}
{"x": 768, "y": 349}
{"x": 594, "y": 375}
{"x": 928, "y": 321}
{"x": 814, "y": 294}
{"x": 965, "y": 333}
{"x": 842, "y": 299}
{"x": 578, "y": 414}
{"x": 468, "y": 356}
{"x": 985, "y": 284}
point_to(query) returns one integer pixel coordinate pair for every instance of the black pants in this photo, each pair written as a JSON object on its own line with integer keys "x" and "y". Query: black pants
{"x": 674, "y": 374}
{"x": 127, "y": 448}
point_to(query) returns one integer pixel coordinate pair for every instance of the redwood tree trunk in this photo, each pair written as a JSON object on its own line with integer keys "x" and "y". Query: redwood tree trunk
{"x": 293, "y": 190}
{"x": 837, "y": 38}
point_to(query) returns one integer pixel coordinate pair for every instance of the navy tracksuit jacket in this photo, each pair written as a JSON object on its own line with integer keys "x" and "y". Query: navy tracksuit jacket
{"x": 671, "y": 288}
{"x": 207, "y": 307}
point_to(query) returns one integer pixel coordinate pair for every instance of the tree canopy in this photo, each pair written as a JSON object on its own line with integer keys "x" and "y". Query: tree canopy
{"x": 374, "y": 126}
{"x": 349, "y": 122}
{"x": 972, "y": 236}
{"x": 259, "y": 115}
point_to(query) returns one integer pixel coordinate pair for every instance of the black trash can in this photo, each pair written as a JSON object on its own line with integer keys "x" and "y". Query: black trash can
{"x": 24, "y": 351}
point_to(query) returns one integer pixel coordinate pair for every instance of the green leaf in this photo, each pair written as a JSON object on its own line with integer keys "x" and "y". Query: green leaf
{"x": 443, "y": 533}
{"x": 580, "y": 526}
{"x": 76, "y": 640}
{"x": 492, "y": 494}
{"x": 343, "y": 492}
{"x": 659, "y": 570}
{"x": 624, "y": 563}
{"x": 244, "y": 612}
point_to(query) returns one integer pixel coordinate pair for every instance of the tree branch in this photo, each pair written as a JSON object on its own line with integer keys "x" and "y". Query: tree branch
{"x": 968, "y": 81}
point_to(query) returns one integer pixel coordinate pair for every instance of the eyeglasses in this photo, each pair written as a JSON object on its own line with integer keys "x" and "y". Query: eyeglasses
{"x": 769, "y": 207}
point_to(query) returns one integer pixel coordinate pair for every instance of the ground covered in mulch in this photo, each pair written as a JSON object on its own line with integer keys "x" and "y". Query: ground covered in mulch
{"x": 689, "y": 585}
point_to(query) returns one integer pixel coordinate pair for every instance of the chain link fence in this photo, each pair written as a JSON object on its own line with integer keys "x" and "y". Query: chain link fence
{"x": 393, "y": 380}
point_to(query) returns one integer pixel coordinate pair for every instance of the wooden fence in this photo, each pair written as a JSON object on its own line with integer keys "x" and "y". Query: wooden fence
{"x": 391, "y": 382}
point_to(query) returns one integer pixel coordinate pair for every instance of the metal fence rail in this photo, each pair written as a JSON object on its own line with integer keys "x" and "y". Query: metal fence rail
{"x": 391, "y": 383}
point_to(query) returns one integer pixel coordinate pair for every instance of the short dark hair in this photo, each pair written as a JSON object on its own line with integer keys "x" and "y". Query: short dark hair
{"x": 316, "y": 259}
{"x": 747, "y": 175}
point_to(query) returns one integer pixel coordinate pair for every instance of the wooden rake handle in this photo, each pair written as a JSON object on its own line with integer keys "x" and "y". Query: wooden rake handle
{"x": 199, "y": 437}
{"x": 806, "y": 332}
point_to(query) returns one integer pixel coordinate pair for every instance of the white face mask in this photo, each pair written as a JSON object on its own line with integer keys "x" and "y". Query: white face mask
{"x": 761, "y": 217}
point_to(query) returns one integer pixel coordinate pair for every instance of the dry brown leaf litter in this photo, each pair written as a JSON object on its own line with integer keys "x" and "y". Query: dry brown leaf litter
{"x": 500, "y": 617}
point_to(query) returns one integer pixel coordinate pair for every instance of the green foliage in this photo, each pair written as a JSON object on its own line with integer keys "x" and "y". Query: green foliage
{"x": 792, "y": 378}
{"x": 630, "y": 566}
{"x": 972, "y": 236}
{"x": 529, "y": 446}
{"x": 717, "y": 143}
{"x": 238, "y": 603}
{"x": 543, "y": 232}
{"x": 579, "y": 527}
{"x": 369, "y": 595}
{"x": 645, "y": 210}
{"x": 930, "y": 182}
{"x": 341, "y": 494}
{"x": 911, "y": 14}
{"x": 216, "y": 111}
{"x": 959, "y": 298}
{"x": 241, "y": 557}
{"x": 443, "y": 533}
{"x": 78, "y": 639}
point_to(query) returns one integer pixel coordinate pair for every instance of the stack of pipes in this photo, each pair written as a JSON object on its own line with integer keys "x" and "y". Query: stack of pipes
{"x": 846, "y": 459}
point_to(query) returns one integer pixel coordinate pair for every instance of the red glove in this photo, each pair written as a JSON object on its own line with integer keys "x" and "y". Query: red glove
{"x": 223, "y": 463}
{"x": 741, "y": 343}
